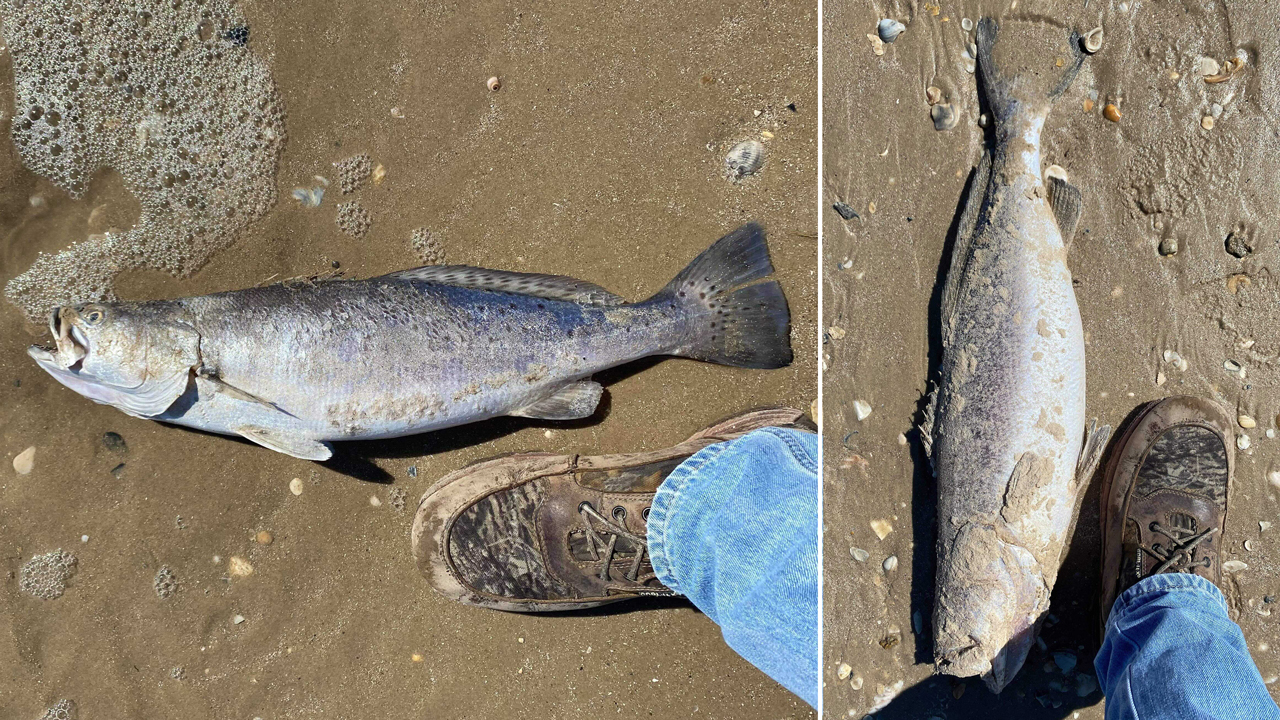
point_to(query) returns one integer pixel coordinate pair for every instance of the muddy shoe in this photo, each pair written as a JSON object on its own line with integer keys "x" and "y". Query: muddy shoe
{"x": 1164, "y": 501}
{"x": 539, "y": 532}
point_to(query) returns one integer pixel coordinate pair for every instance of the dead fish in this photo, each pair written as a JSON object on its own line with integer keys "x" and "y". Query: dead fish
{"x": 1005, "y": 425}
{"x": 294, "y": 366}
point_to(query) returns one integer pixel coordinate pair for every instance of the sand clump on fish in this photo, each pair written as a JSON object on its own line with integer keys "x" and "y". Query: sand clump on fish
{"x": 294, "y": 366}
{"x": 1005, "y": 427}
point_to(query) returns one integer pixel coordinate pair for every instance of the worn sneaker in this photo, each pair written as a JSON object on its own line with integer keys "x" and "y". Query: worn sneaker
{"x": 1164, "y": 501}
{"x": 539, "y": 532}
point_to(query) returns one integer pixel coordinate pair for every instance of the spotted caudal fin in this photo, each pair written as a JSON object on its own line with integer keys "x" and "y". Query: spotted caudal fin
{"x": 732, "y": 317}
{"x": 1045, "y": 63}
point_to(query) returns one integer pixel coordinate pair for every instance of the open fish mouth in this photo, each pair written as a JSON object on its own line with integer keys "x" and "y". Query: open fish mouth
{"x": 71, "y": 346}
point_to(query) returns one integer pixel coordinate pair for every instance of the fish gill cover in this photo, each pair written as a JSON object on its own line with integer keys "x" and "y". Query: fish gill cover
{"x": 166, "y": 94}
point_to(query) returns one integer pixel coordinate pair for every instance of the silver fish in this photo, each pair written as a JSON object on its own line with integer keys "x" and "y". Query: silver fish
{"x": 1005, "y": 428}
{"x": 295, "y": 366}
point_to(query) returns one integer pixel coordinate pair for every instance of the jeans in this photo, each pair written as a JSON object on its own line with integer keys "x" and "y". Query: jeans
{"x": 1171, "y": 652}
{"x": 735, "y": 529}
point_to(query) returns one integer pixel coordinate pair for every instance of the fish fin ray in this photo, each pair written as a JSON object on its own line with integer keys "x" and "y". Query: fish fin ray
{"x": 551, "y": 287}
{"x": 574, "y": 401}
{"x": 730, "y": 321}
{"x": 1067, "y": 203}
{"x": 966, "y": 228}
{"x": 1095, "y": 441}
{"x": 284, "y": 442}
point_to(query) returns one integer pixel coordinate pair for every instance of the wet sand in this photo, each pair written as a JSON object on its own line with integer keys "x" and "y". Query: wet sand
{"x": 1156, "y": 174}
{"x": 600, "y": 157}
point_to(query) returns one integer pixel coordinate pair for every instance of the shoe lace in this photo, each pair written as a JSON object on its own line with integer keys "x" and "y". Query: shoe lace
{"x": 1180, "y": 555}
{"x": 602, "y": 551}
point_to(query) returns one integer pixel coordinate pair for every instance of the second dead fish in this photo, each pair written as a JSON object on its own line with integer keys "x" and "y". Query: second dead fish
{"x": 1005, "y": 427}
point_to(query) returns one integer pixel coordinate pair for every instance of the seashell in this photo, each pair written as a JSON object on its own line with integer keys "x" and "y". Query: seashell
{"x": 1233, "y": 566}
{"x": 890, "y": 563}
{"x": 1111, "y": 112}
{"x": 493, "y": 83}
{"x": 1056, "y": 171}
{"x": 984, "y": 120}
{"x": 861, "y": 409}
{"x": 944, "y": 116}
{"x": 1264, "y": 525}
{"x": 1246, "y": 422}
{"x": 881, "y": 527}
{"x": 1243, "y": 442}
{"x": 1092, "y": 40}
{"x": 877, "y": 45}
{"x": 933, "y": 95}
{"x": 844, "y": 671}
{"x": 859, "y": 554}
{"x": 1215, "y": 110}
{"x": 1231, "y": 366}
{"x": 1206, "y": 122}
{"x": 966, "y": 24}
{"x": 889, "y": 29}
{"x": 397, "y": 113}
{"x": 1169, "y": 246}
{"x": 745, "y": 158}
{"x": 1207, "y": 66}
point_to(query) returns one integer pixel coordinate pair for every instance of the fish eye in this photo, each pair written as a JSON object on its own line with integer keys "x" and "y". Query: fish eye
{"x": 93, "y": 316}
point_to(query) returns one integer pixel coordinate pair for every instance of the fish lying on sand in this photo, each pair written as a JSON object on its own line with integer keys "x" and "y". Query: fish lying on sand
{"x": 1005, "y": 428}
{"x": 294, "y": 366}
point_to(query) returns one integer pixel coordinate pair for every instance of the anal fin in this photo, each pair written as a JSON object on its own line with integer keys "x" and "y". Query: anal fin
{"x": 1095, "y": 441}
{"x": 284, "y": 442}
{"x": 572, "y": 402}
{"x": 1067, "y": 203}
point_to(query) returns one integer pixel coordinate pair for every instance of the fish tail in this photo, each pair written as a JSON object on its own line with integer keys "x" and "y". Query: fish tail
{"x": 1008, "y": 93}
{"x": 732, "y": 318}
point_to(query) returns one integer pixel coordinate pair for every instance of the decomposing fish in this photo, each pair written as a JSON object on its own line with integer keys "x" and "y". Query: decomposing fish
{"x": 1005, "y": 426}
{"x": 294, "y": 366}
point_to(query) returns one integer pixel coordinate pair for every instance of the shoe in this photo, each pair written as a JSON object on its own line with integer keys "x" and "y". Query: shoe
{"x": 539, "y": 532}
{"x": 1164, "y": 498}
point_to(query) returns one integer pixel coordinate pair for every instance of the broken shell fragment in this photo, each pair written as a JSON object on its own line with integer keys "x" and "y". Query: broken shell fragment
{"x": 889, "y": 29}
{"x": 933, "y": 95}
{"x": 1092, "y": 40}
{"x": 1087, "y": 105}
{"x": 861, "y": 409}
{"x": 890, "y": 564}
{"x": 1207, "y": 66}
{"x": 882, "y": 528}
{"x": 877, "y": 45}
{"x": 944, "y": 116}
{"x": 1111, "y": 112}
{"x": 1243, "y": 442}
{"x": 859, "y": 554}
{"x": 1234, "y": 566}
{"x": 1206, "y": 122}
{"x": 966, "y": 24}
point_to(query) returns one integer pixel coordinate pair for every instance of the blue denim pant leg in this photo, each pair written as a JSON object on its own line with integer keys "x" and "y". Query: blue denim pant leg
{"x": 1171, "y": 652}
{"x": 735, "y": 529}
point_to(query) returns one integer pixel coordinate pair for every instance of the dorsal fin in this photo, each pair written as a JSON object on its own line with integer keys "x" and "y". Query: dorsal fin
{"x": 963, "y": 245}
{"x": 552, "y": 287}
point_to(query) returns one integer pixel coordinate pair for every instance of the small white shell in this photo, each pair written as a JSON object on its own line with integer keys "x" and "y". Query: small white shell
{"x": 861, "y": 409}
{"x": 1233, "y": 566}
{"x": 966, "y": 24}
{"x": 1092, "y": 40}
{"x": 744, "y": 158}
{"x": 890, "y": 563}
{"x": 889, "y": 29}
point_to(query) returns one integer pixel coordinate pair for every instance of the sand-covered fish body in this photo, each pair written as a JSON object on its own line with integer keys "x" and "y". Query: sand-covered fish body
{"x": 293, "y": 366}
{"x": 1006, "y": 424}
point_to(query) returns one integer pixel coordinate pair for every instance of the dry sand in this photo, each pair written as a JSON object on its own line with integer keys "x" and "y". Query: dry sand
{"x": 600, "y": 157}
{"x": 1156, "y": 174}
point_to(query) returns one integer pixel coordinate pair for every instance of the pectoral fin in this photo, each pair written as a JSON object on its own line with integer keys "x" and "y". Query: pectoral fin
{"x": 571, "y": 402}
{"x": 1095, "y": 441}
{"x": 285, "y": 442}
{"x": 1067, "y": 203}
{"x": 232, "y": 391}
